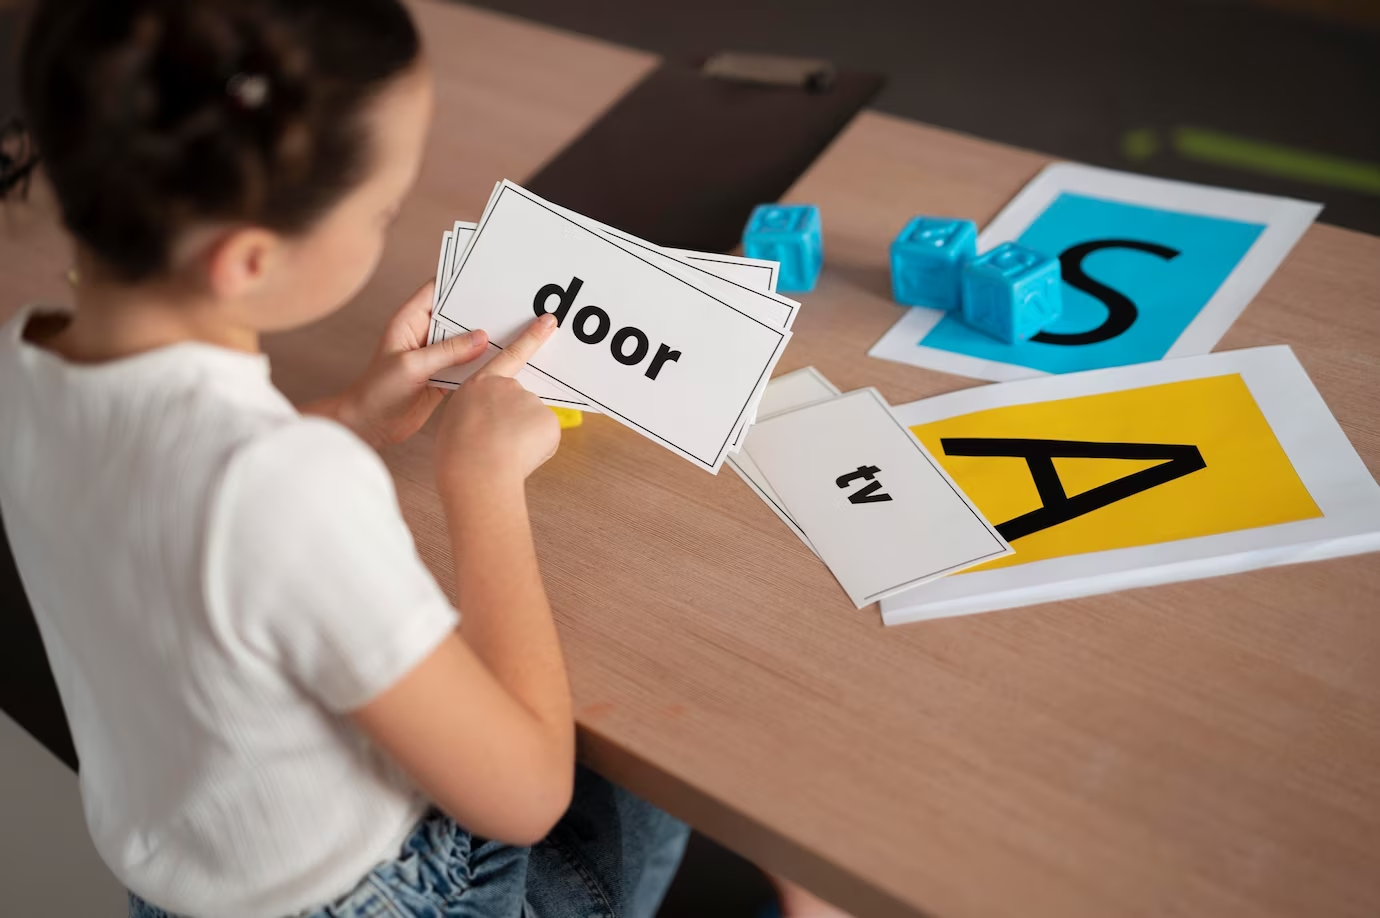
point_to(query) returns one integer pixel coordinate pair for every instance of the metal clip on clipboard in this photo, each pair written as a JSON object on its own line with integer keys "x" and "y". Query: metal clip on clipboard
{"x": 810, "y": 74}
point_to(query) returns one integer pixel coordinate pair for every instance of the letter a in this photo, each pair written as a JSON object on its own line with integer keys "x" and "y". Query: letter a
{"x": 1176, "y": 461}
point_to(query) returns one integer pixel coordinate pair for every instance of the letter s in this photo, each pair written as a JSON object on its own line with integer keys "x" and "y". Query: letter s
{"x": 1121, "y": 312}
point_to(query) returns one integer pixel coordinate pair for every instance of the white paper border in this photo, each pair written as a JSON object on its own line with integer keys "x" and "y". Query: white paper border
{"x": 747, "y": 469}
{"x": 1323, "y": 458}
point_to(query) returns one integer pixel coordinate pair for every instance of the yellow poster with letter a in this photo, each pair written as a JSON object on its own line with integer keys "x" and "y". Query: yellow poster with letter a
{"x": 1121, "y": 469}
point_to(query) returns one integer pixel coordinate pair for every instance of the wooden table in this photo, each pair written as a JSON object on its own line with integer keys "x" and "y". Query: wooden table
{"x": 1208, "y": 748}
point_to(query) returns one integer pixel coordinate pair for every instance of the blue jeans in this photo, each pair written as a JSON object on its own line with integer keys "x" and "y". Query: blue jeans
{"x": 611, "y": 856}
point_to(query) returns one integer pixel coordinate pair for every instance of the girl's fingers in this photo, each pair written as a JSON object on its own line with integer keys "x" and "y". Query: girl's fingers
{"x": 516, "y": 355}
{"x": 449, "y": 352}
{"x": 412, "y": 319}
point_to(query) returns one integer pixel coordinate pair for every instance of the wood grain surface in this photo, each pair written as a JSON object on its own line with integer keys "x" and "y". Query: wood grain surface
{"x": 1206, "y": 748}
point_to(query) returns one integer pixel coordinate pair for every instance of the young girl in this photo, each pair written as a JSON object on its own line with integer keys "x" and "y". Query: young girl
{"x": 275, "y": 710}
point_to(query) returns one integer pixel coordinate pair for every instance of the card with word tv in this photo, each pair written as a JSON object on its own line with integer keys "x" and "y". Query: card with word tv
{"x": 876, "y": 508}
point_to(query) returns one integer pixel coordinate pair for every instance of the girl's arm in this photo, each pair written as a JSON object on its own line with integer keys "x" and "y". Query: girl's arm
{"x": 484, "y": 724}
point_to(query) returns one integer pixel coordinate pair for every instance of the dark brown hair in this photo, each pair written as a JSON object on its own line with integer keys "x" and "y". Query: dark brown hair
{"x": 152, "y": 115}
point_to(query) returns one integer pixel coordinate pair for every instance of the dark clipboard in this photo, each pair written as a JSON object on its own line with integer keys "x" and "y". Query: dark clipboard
{"x": 683, "y": 158}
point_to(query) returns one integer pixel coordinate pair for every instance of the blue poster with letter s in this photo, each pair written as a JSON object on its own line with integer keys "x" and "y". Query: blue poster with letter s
{"x": 1134, "y": 277}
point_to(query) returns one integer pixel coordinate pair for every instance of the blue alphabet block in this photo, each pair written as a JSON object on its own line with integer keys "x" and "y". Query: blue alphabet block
{"x": 927, "y": 261}
{"x": 1012, "y": 292}
{"x": 792, "y": 235}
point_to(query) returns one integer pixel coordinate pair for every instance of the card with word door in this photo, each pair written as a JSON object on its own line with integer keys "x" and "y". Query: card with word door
{"x": 1142, "y": 475}
{"x": 674, "y": 351}
{"x": 746, "y": 272}
{"x": 1152, "y": 269}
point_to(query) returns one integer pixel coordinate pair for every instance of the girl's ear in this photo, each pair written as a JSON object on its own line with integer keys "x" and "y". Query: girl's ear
{"x": 239, "y": 262}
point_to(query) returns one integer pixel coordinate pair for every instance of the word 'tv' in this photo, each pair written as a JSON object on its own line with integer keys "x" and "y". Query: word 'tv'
{"x": 868, "y": 495}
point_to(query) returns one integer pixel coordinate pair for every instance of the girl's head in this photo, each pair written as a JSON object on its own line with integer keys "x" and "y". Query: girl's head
{"x": 250, "y": 152}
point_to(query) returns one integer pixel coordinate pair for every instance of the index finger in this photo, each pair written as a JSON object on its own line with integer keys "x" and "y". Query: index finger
{"x": 515, "y": 356}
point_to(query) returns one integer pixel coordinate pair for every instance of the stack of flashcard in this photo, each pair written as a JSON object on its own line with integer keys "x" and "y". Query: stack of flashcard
{"x": 857, "y": 487}
{"x": 679, "y": 346}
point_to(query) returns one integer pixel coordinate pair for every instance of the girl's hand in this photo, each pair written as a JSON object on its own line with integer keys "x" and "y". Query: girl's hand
{"x": 494, "y": 431}
{"x": 392, "y": 400}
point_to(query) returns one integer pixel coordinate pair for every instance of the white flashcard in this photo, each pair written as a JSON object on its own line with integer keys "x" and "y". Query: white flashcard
{"x": 753, "y": 273}
{"x": 877, "y": 508}
{"x": 796, "y": 390}
{"x": 552, "y": 393}
{"x": 462, "y": 232}
{"x": 771, "y": 308}
{"x": 719, "y": 275}
{"x": 442, "y": 272}
{"x": 549, "y": 391}
{"x": 452, "y": 241}
{"x": 638, "y": 337}
{"x": 792, "y": 390}
{"x": 768, "y": 307}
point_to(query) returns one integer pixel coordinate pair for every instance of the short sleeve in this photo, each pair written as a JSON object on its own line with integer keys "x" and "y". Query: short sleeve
{"x": 311, "y": 565}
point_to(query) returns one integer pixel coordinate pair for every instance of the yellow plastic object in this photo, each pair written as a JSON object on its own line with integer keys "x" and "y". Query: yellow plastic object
{"x": 568, "y": 417}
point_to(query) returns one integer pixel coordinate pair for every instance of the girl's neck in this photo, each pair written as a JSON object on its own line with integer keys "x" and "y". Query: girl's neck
{"x": 115, "y": 320}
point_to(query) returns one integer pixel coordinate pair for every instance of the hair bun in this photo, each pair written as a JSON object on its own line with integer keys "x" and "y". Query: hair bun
{"x": 155, "y": 114}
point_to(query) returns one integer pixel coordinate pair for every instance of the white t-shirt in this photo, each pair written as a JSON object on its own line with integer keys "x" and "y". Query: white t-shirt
{"x": 217, "y": 579}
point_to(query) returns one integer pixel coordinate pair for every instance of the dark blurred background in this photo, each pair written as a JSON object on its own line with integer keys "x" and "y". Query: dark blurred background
{"x": 1277, "y": 96}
